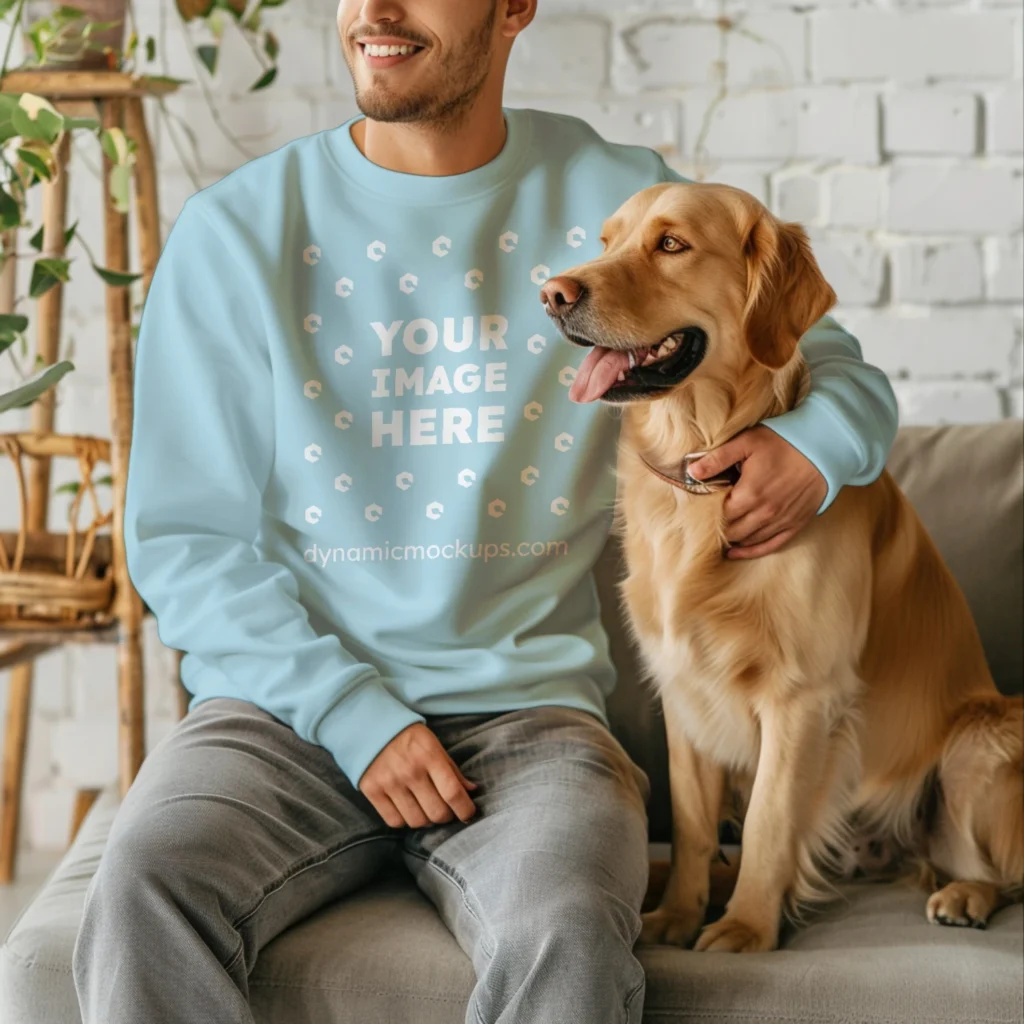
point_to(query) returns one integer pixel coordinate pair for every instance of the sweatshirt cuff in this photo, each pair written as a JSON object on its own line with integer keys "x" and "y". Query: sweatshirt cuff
{"x": 814, "y": 431}
{"x": 361, "y": 725}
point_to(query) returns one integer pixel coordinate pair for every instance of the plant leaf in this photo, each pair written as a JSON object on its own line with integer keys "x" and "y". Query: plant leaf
{"x": 36, "y": 241}
{"x": 36, "y": 118}
{"x": 265, "y": 79}
{"x": 38, "y": 155}
{"x": 150, "y": 49}
{"x": 165, "y": 78}
{"x": 208, "y": 55}
{"x": 115, "y": 145}
{"x": 71, "y": 487}
{"x": 10, "y": 212}
{"x": 45, "y": 274}
{"x": 84, "y": 123}
{"x": 8, "y": 104}
{"x": 120, "y": 187}
{"x": 36, "y": 385}
{"x": 271, "y": 47}
{"x": 12, "y": 323}
{"x": 117, "y": 278}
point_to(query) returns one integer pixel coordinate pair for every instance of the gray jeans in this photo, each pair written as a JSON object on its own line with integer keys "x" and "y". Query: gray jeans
{"x": 236, "y": 828}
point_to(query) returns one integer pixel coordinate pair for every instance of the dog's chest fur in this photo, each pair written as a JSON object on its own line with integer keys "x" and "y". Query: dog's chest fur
{"x": 694, "y": 644}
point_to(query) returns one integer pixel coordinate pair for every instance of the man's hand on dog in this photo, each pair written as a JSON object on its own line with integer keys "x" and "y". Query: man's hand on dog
{"x": 778, "y": 494}
{"x": 414, "y": 782}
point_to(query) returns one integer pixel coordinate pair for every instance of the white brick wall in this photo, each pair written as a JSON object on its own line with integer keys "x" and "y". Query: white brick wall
{"x": 893, "y": 130}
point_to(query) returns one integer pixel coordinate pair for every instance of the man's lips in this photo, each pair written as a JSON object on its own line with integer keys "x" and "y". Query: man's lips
{"x": 386, "y": 51}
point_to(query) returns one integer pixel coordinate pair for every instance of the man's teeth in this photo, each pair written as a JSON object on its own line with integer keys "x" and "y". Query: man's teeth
{"x": 388, "y": 51}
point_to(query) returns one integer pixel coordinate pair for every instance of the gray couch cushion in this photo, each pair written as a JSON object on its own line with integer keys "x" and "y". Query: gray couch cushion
{"x": 967, "y": 485}
{"x": 384, "y": 957}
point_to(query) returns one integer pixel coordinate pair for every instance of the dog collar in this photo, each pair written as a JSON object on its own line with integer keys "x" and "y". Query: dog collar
{"x": 722, "y": 482}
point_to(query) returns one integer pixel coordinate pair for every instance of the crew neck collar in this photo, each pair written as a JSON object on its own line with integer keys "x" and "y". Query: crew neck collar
{"x": 419, "y": 188}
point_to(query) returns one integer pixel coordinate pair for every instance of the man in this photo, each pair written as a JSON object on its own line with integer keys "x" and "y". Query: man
{"x": 362, "y": 503}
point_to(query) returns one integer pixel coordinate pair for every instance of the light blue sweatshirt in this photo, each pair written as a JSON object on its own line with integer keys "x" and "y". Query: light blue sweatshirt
{"x": 358, "y": 492}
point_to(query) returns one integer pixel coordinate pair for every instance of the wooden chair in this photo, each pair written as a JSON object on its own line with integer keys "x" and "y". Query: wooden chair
{"x": 116, "y": 100}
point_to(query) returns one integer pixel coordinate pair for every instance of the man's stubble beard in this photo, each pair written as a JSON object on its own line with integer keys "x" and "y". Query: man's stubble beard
{"x": 451, "y": 98}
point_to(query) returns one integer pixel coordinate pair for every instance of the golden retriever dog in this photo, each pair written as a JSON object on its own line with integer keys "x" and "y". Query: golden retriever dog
{"x": 838, "y": 685}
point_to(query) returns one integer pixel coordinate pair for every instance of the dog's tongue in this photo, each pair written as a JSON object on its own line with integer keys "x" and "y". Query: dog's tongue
{"x": 597, "y": 373}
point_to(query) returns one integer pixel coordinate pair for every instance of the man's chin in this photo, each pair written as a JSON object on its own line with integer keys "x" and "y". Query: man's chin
{"x": 380, "y": 105}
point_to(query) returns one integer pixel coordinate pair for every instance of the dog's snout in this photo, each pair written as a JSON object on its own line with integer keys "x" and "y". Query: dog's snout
{"x": 560, "y": 294}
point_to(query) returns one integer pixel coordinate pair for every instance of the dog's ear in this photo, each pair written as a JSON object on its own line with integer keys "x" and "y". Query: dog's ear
{"x": 786, "y": 291}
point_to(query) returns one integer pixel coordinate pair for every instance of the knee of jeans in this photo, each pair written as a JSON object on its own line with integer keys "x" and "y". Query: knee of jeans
{"x": 581, "y": 920}
{"x": 162, "y": 856}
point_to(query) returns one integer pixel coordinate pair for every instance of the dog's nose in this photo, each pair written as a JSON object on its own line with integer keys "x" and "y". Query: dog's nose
{"x": 560, "y": 294}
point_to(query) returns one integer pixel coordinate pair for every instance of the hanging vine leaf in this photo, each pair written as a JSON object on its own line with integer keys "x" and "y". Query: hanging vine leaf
{"x": 35, "y": 118}
{"x": 117, "y": 278}
{"x": 36, "y": 241}
{"x": 116, "y": 145}
{"x": 46, "y": 273}
{"x": 120, "y": 187}
{"x": 11, "y": 327}
{"x": 12, "y": 323}
{"x": 37, "y": 155}
{"x": 36, "y": 385}
{"x": 208, "y": 55}
{"x": 150, "y": 49}
{"x": 265, "y": 80}
{"x": 84, "y": 123}
{"x": 10, "y": 212}
{"x": 271, "y": 47}
{"x": 8, "y": 104}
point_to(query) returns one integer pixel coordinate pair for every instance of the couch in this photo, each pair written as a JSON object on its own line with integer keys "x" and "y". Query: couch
{"x": 384, "y": 957}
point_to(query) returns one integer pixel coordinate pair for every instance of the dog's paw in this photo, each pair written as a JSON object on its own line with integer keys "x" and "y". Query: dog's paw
{"x": 960, "y": 905}
{"x": 669, "y": 928}
{"x": 734, "y": 935}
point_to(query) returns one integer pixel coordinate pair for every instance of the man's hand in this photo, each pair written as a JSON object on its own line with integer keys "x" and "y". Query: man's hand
{"x": 414, "y": 782}
{"x": 778, "y": 494}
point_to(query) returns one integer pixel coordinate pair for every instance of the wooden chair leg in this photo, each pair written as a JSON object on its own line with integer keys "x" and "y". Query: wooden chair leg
{"x": 19, "y": 706}
{"x": 84, "y": 799}
{"x": 48, "y": 320}
{"x": 131, "y": 707}
{"x": 128, "y": 604}
{"x": 147, "y": 206}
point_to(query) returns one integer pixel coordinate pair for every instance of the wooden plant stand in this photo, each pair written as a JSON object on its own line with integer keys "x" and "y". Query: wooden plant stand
{"x": 115, "y": 99}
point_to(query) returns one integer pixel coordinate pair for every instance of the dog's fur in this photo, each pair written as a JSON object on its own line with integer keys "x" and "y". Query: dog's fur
{"x": 839, "y": 682}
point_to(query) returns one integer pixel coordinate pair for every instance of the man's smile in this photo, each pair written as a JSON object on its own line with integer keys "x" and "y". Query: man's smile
{"x": 381, "y": 52}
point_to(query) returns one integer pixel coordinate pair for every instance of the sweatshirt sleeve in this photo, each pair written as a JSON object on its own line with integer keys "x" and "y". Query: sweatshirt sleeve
{"x": 847, "y": 423}
{"x": 201, "y": 456}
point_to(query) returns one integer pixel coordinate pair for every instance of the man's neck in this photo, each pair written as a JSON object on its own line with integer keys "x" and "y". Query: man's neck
{"x": 431, "y": 149}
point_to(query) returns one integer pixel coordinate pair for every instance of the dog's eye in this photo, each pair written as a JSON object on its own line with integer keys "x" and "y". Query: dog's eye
{"x": 672, "y": 244}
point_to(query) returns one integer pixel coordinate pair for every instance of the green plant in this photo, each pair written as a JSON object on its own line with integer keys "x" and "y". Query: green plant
{"x": 32, "y": 130}
{"x": 247, "y": 14}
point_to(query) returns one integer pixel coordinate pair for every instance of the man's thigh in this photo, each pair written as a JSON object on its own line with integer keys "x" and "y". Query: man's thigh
{"x": 235, "y": 815}
{"x": 561, "y": 823}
